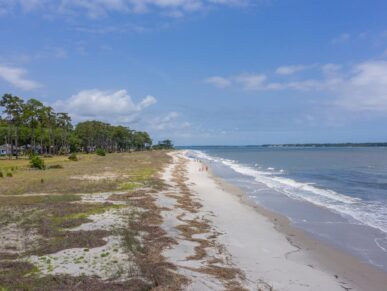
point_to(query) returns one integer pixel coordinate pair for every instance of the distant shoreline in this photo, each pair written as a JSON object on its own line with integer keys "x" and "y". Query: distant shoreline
{"x": 301, "y": 145}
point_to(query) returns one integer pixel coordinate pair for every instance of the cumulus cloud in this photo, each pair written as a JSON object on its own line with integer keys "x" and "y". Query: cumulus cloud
{"x": 251, "y": 81}
{"x": 289, "y": 70}
{"x": 362, "y": 87}
{"x": 171, "y": 122}
{"x": 16, "y": 77}
{"x": 218, "y": 82}
{"x": 115, "y": 107}
{"x": 366, "y": 88}
{"x": 247, "y": 81}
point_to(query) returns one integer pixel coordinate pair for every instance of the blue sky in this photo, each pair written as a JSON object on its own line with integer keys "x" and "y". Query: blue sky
{"x": 205, "y": 71}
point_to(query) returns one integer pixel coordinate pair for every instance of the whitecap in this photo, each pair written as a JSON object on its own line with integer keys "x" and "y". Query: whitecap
{"x": 370, "y": 213}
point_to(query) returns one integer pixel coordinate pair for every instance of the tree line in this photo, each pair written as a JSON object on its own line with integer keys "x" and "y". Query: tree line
{"x": 30, "y": 127}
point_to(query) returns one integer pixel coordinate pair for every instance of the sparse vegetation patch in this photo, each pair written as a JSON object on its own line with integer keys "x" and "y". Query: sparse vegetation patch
{"x": 37, "y": 163}
{"x": 100, "y": 241}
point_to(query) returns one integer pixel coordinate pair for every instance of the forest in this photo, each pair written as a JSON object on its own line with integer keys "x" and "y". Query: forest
{"x": 30, "y": 127}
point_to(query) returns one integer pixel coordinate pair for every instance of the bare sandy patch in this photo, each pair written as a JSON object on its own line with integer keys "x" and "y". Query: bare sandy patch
{"x": 16, "y": 240}
{"x": 109, "y": 262}
{"x": 99, "y": 177}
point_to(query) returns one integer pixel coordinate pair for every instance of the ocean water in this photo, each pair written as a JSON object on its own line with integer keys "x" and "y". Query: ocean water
{"x": 337, "y": 195}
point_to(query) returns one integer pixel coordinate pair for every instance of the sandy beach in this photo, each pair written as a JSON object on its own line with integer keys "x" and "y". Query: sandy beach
{"x": 223, "y": 242}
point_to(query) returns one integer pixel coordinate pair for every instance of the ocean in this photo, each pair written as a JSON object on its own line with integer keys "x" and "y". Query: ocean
{"x": 337, "y": 195}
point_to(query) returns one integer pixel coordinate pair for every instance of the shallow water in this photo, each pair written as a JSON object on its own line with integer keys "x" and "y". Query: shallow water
{"x": 339, "y": 195}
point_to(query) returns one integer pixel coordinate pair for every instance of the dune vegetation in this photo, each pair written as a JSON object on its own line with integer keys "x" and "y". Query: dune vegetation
{"x": 87, "y": 224}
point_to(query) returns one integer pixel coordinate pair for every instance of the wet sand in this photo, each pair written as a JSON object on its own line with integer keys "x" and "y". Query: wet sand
{"x": 260, "y": 245}
{"x": 314, "y": 253}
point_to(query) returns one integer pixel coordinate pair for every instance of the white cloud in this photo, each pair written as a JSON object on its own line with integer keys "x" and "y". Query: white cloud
{"x": 366, "y": 88}
{"x": 146, "y": 102}
{"x": 93, "y": 9}
{"x": 15, "y": 76}
{"x": 114, "y": 107}
{"x": 304, "y": 85}
{"x": 289, "y": 70}
{"x": 170, "y": 122}
{"x": 331, "y": 69}
{"x": 342, "y": 38}
{"x": 218, "y": 82}
{"x": 251, "y": 81}
{"x": 363, "y": 87}
{"x": 98, "y": 8}
{"x": 7, "y": 6}
{"x": 29, "y": 5}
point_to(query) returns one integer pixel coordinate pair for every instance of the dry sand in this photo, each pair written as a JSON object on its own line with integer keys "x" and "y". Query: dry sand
{"x": 108, "y": 262}
{"x": 217, "y": 232}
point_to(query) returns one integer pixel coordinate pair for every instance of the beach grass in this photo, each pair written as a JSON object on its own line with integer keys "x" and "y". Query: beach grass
{"x": 41, "y": 206}
{"x": 91, "y": 173}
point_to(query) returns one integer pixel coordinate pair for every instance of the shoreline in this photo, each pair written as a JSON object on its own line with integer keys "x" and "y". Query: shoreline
{"x": 326, "y": 257}
{"x": 263, "y": 244}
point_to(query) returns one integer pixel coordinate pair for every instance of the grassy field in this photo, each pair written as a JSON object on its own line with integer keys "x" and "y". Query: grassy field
{"x": 91, "y": 173}
{"x": 42, "y": 213}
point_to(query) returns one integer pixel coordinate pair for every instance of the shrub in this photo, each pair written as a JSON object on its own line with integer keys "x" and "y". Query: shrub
{"x": 73, "y": 157}
{"x": 63, "y": 151}
{"x": 55, "y": 167}
{"x": 37, "y": 163}
{"x": 100, "y": 152}
{"x": 1, "y": 174}
{"x": 9, "y": 174}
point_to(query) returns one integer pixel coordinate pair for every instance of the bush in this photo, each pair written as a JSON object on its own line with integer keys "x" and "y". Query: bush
{"x": 37, "y": 163}
{"x": 1, "y": 174}
{"x": 9, "y": 174}
{"x": 63, "y": 151}
{"x": 55, "y": 167}
{"x": 73, "y": 157}
{"x": 100, "y": 152}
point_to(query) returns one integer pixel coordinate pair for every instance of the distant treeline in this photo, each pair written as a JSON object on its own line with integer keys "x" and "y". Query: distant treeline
{"x": 368, "y": 144}
{"x": 31, "y": 127}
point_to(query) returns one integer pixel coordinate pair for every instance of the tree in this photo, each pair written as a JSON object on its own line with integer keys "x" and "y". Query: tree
{"x": 141, "y": 140}
{"x": 121, "y": 138}
{"x": 164, "y": 145}
{"x": 24, "y": 123}
{"x": 64, "y": 124}
{"x": 13, "y": 109}
{"x": 32, "y": 116}
{"x": 50, "y": 122}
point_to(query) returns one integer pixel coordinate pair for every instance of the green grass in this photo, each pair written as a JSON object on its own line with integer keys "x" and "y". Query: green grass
{"x": 37, "y": 199}
{"x": 50, "y": 216}
{"x": 129, "y": 186}
{"x": 128, "y": 167}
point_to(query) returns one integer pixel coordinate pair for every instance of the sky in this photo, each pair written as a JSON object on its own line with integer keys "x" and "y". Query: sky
{"x": 205, "y": 72}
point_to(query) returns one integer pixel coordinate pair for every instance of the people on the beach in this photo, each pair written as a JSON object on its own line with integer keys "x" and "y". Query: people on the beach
{"x": 203, "y": 168}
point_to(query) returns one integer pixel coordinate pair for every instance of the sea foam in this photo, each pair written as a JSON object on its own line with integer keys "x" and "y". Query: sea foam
{"x": 373, "y": 214}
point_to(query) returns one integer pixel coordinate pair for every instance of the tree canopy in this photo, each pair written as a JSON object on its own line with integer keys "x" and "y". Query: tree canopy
{"x": 35, "y": 128}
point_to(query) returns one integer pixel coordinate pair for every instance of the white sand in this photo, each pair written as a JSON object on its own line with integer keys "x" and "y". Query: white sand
{"x": 178, "y": 254}
{"x": 249, "y": 240}
{"x": 108, "y": 262}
